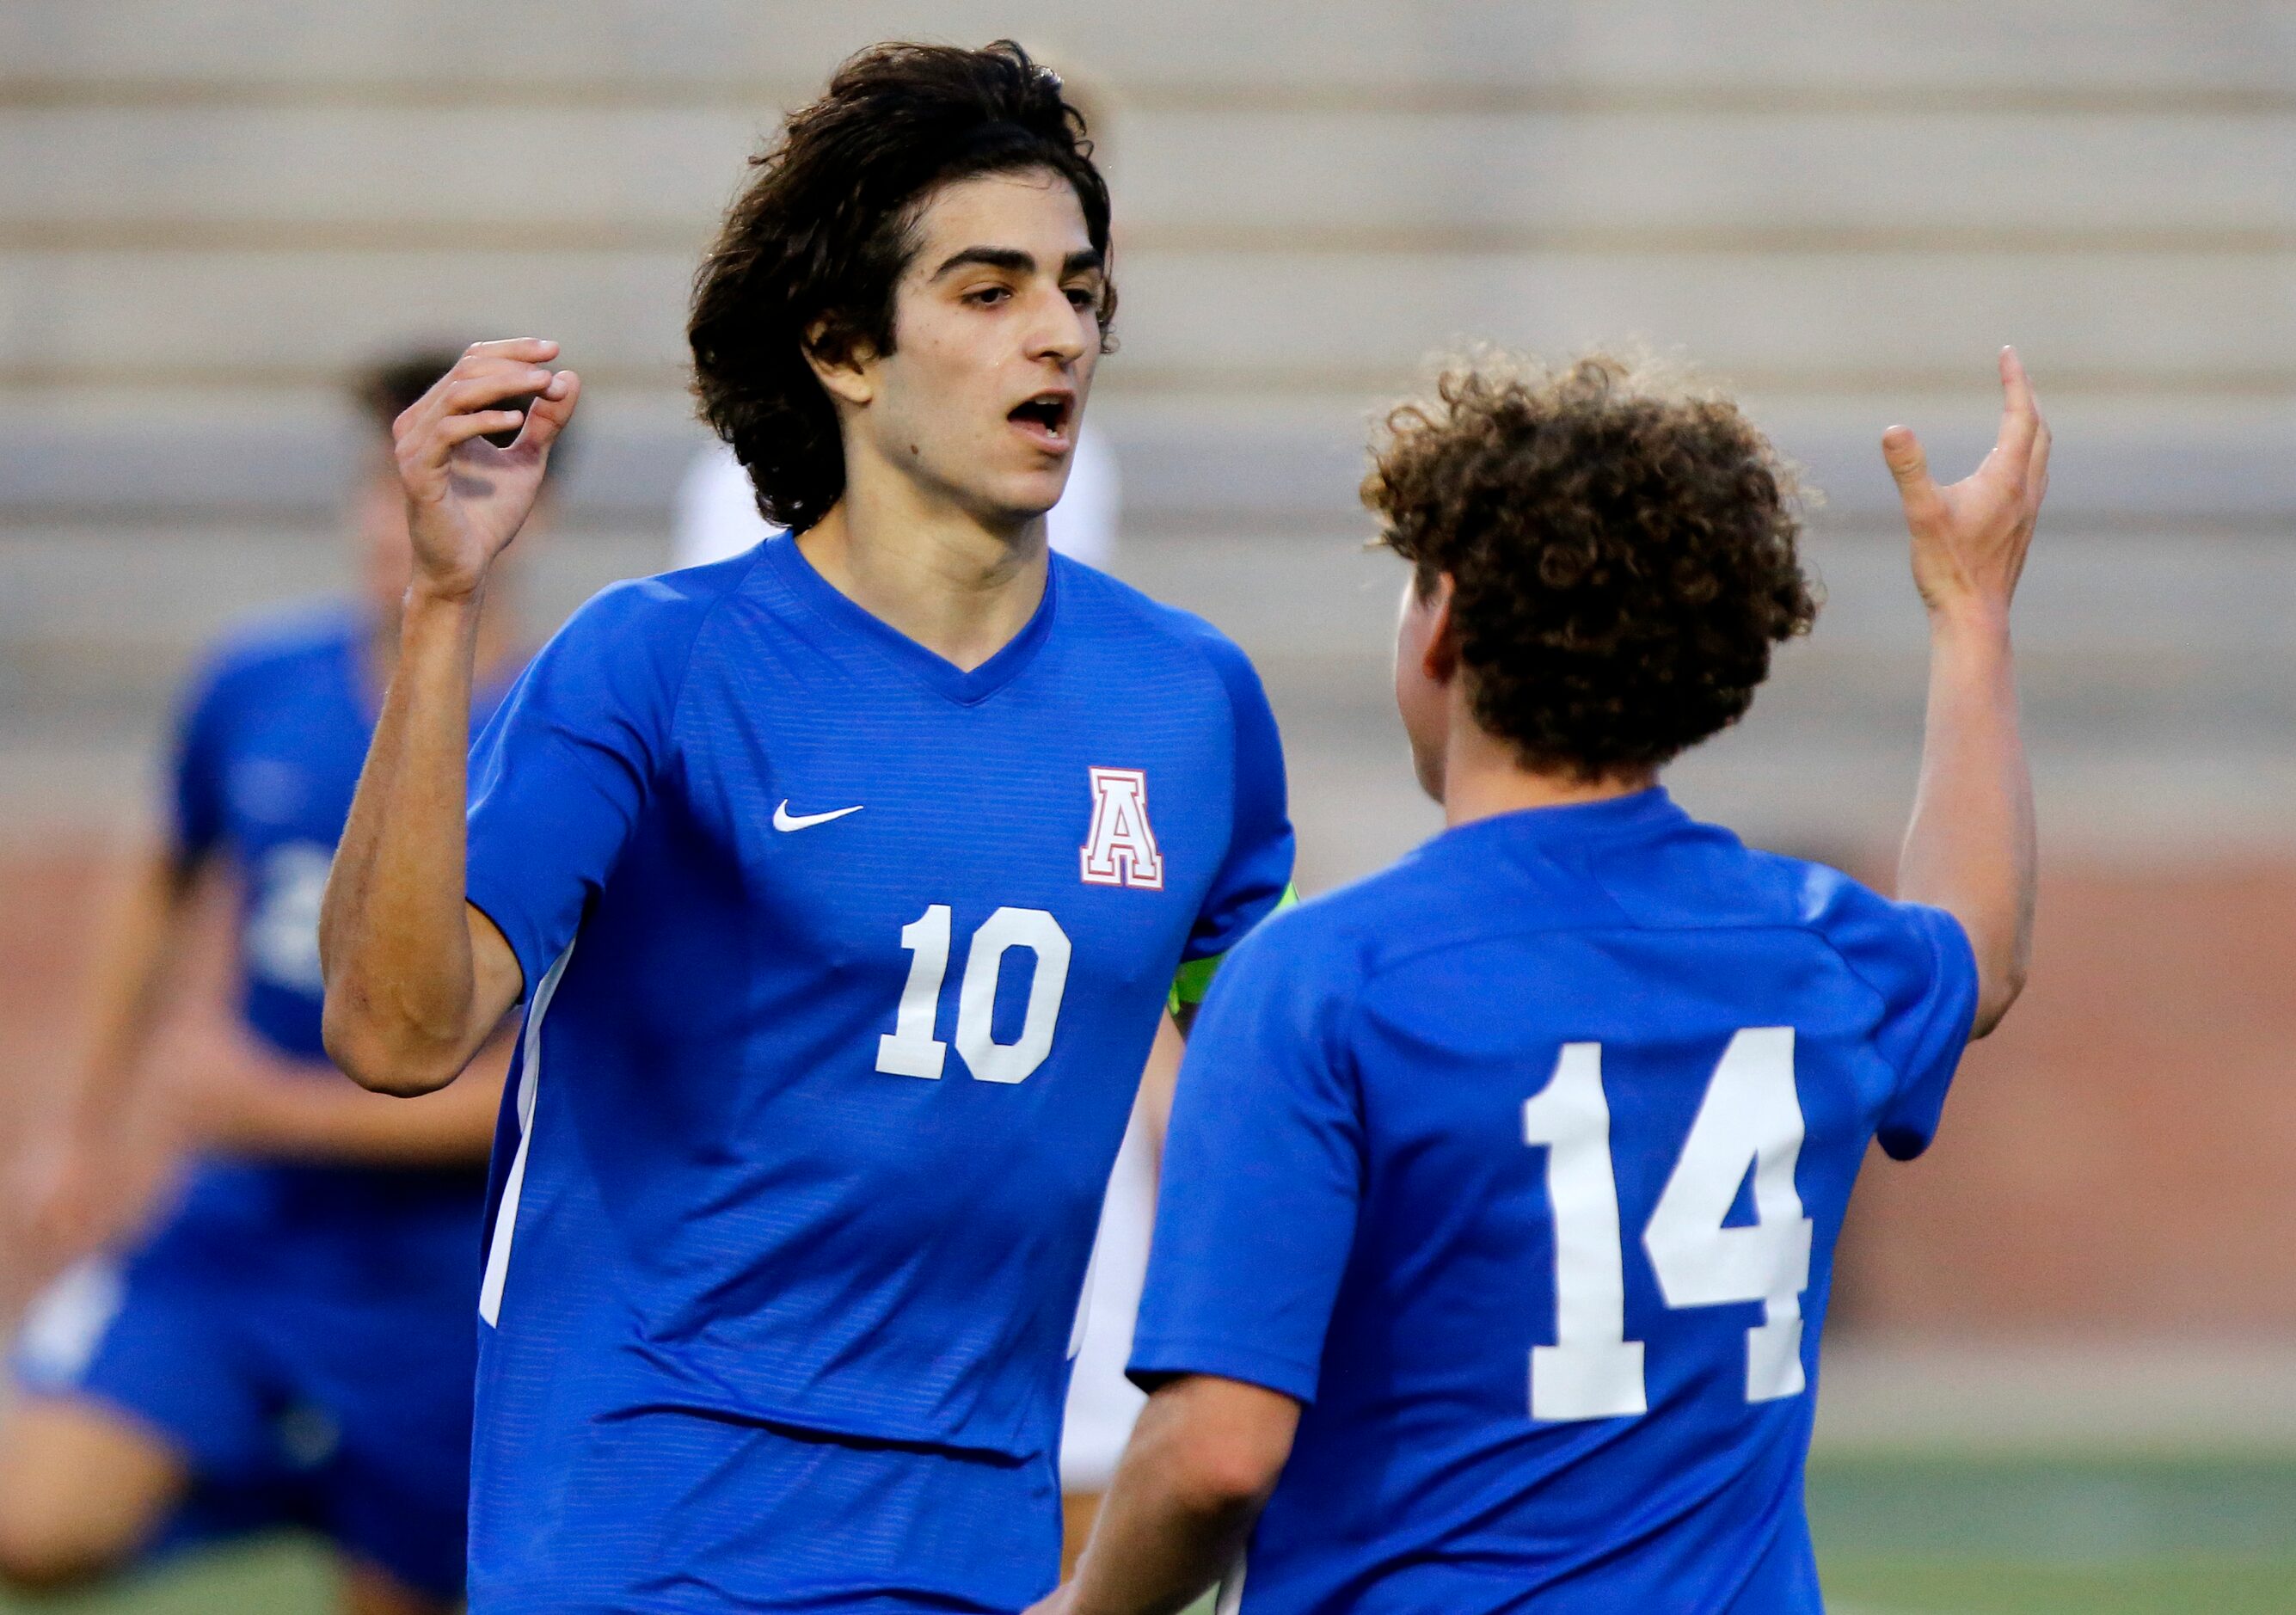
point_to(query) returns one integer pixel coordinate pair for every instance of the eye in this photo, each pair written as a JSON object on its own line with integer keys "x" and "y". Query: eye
{"x": 989, "y": 296}
{"x": 1084, "y": 298}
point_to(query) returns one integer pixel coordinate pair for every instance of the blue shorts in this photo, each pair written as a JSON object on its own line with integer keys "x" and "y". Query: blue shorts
{"x": 292, "y": 1396}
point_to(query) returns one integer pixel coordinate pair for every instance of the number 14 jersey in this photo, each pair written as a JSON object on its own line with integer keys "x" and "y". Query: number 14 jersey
{"x": 1522, "y": 1164}
{"x": 842, "y": 965}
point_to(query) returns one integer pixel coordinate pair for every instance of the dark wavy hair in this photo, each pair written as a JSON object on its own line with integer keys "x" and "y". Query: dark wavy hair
{"x": 819, "y": 239}
{"x": 389, "y": 385}
{"x": 1622, "y": 547}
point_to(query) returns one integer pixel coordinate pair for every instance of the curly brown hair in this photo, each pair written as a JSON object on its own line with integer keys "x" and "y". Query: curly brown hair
{"x": 819, "y": 239}
{"x": 1621, "y": 545}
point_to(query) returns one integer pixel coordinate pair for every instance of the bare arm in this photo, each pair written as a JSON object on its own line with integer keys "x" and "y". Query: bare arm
{"x": 68, "y": 1195}
{"x": 231, "y": 1094}
{"x": 1202, "y": 1463}
{"x": 1159, "y": 1076}
{"x": 416, "y": 979}
{"x": 1970, "y": 848}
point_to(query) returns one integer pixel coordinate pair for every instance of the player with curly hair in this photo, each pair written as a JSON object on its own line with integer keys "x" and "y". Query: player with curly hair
{"x": 844, "y": 882}
{"x": 1502, "y": 1189}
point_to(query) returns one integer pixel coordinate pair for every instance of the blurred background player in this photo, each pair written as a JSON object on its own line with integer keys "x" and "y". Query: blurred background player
{"x": 716, "y": 518}
{"x": 291, "y": 1340}
{"x": 1581, "y": 1084}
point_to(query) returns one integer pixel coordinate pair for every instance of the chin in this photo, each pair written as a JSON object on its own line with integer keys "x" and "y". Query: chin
{"x": 1023, "y": 499}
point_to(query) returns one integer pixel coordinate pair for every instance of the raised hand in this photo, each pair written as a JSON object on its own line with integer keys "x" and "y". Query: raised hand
{"x": 466, "y": 499}
{"x": 1969, "y": 538}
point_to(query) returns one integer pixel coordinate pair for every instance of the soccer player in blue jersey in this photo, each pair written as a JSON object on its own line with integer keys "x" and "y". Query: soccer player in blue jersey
{"x": 843, "y": 881}
{"x": 291, "y": 1342}
{"x": 1502, "y": 1189}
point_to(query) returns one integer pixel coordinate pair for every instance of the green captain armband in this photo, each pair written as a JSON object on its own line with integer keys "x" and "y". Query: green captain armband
{"x": 1195, "y": 976}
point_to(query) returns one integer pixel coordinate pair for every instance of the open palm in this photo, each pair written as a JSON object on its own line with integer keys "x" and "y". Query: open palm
{"x": 1969, "y": 538}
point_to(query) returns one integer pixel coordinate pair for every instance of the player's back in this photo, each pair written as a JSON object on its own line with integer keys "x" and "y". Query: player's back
{"x": 1594, "y": 1085}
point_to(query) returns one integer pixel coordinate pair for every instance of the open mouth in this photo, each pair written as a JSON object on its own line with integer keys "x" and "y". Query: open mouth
{"x": 1045, "y": 417}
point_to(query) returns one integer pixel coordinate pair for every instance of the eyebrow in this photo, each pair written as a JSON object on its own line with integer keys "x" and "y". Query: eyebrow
{"x": 1017, "y": 262}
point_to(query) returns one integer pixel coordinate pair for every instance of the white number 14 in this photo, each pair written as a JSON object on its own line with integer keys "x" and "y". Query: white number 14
{"x": 1750, "y": 1118}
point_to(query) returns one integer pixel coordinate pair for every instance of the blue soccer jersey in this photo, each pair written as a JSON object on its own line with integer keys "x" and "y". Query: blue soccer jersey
{"x": 268, "y": 750}
{"x": 841, "y": 967}
{"x": 1522, "y": 1164}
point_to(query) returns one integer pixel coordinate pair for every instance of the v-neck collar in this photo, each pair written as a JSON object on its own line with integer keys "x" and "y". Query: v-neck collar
{"x": 929, "y": 668}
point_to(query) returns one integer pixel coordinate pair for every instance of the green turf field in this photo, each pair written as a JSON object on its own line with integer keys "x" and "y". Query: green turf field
{"x": 1897, "y": 1536}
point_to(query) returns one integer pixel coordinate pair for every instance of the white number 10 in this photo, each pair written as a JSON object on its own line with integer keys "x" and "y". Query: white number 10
{"x": 1749, "y": 1117}
{"x": 911, "y": 1050}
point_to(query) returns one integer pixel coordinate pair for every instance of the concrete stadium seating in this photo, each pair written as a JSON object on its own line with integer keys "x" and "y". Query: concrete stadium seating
{"x": 208, "y": 210}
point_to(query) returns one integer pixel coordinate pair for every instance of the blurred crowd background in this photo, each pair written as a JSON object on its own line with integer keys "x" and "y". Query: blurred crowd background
{"x": 210, "y": 210}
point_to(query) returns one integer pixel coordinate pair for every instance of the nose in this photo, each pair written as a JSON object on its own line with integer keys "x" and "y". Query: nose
{"x": 1058, "y": 329}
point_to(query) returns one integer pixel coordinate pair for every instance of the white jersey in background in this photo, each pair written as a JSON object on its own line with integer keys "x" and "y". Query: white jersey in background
{"x": 717, "y": 518}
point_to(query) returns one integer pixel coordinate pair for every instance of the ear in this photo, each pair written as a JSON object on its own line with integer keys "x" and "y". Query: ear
{"x": 850, "y": 380}
{"x": 1440, "y": 660}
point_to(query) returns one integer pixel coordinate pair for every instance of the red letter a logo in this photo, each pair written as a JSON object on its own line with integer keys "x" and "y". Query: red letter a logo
{"x": 1121, "y": 849}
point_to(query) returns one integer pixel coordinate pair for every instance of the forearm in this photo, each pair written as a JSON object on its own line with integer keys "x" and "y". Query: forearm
{"x": 402, "y": 1012}
{"x": 1202, "y": 1463}
{"x": 1970, "y": 848}
{"x": 1158, "y": 1077}
{"x": 1155, "y": 1550}
{"x": 125, "y": 984}
{"x": 315, "y": 1116}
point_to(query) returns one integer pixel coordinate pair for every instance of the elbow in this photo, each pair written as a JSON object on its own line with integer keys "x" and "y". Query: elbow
{"x": 1996, "y": 991}
{"x": 1220, "y": 1445}
{"x": 1225, "y": 1477}
{"x": 379, "y": 1062}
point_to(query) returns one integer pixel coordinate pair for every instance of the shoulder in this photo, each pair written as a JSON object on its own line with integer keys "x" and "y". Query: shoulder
{"x": 618, "y": 663}
{"x": 276, "y": 646}
{"x": 1171, "y": 656}
{"x": 667, "y": 604}
{"x": 1896, "y": 948}
{"x": 1114, "y": 611}
{"x": 1345, "y": 937}
{"x": 652, "y": 622}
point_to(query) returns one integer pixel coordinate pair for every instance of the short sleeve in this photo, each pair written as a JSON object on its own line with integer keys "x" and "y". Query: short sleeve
{"x": 564, "y": 771}
{"x": 1931, "y": 1013}
{"x": 196, "y": 809}
{"x": 1263, "y": 1174}
{"x": 1257, "y": 870}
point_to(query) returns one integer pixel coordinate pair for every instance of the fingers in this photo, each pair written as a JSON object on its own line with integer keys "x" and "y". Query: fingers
{"x": 488, "y": 375}
{"x": 552, "y": 407}
{"x": 2021, "y": 413}
{"x": 530, "y": 351}
{"x": 487, "y": 386}
{"x": 451, "y": 433}
{"x": 1901, "y": 451}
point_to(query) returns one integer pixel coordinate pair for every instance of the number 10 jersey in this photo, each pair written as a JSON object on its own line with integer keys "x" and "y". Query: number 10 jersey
{"x": 842, "y": 965}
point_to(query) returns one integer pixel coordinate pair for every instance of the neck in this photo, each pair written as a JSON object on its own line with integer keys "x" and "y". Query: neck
{"x": 1483, "y": 777}
{"x": 956, "y": 584}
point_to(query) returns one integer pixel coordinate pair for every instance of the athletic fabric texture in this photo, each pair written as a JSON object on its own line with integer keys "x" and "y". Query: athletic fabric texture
{"x": 842, "y": 964}
{"x": 1521, "y": 1164}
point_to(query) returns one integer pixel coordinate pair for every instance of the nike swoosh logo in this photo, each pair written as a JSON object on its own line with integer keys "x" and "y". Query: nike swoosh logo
{"x": 784, "y": 820}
